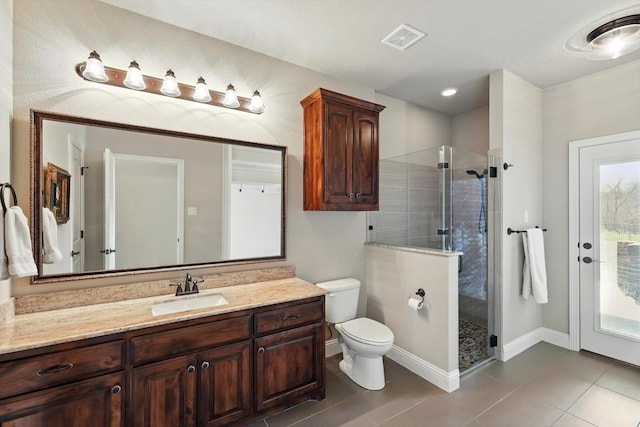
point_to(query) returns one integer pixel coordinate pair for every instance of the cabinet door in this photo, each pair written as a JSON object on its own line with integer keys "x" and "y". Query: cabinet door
{"x": 224, "y": 388}
{"x": 163, "y": 394}
{"x": 365, "y": 158}
{"x": 98, "y": 402}
{"x": 338, "y": 158}
{"x": 289, "y": 364}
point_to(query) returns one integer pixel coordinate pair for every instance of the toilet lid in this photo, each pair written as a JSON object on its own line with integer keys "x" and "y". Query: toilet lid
{"x": 367, "y": 330}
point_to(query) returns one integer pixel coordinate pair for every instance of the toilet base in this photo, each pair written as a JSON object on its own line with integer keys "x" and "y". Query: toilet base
{"x": 367, "y": 372}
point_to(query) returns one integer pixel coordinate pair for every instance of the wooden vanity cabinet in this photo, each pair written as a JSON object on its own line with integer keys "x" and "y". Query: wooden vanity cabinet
{"x": 97, "y": 402}
{"x": 65, "y": 386}
{"x": 289, "y": 359}
{"x": 340, "y": 152}
{"x": 208, "y": 385}
{"x": 228, "y": 369}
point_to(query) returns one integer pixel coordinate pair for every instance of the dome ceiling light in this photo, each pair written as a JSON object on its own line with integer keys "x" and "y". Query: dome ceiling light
{"x": 611, "y": 40}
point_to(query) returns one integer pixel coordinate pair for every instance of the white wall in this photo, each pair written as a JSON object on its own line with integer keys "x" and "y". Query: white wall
{"x": 604, "y": 103}
{"x": 407, "y": 128}
{"x": 470, "y": 130}
{"x": 515, "y": 129}
{"x": 6, "y": 106}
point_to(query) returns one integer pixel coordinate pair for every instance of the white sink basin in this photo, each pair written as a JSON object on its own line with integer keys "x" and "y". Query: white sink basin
{"x": 187, "y": 303}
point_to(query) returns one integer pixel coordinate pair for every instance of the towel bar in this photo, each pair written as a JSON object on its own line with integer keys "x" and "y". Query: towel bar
{"x": 511, "y": 230}
{"x": 13, "y": 192}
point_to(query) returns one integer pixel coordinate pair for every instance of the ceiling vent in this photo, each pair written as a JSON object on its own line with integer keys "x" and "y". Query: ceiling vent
{"x": 403, "y": 37}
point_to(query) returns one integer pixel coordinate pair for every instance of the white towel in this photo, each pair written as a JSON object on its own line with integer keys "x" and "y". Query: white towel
{"x": 4, "y": 263}
{"x": 18, "y": 243}
{"x": 50, "y": 250}
{"x": 534, "y": 272}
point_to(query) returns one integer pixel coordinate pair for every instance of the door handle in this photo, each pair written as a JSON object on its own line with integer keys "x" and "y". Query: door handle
{"x": 589, "y": 260}
{"x": 75, "y": 253}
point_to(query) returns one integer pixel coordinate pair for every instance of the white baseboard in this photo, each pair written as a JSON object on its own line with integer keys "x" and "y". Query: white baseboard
{"x": 532, "y": 338}
{"x": 332, "y": 348}
{"x": 448, "y": 381}
{"x": 556, "y": 338}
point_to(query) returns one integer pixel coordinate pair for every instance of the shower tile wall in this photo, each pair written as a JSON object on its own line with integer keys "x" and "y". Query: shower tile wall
{"x": 390, "y": 222}
{"x": 469, "y": 237}
{"x": 409, "y": 212}
{"x": 424, "y": 207}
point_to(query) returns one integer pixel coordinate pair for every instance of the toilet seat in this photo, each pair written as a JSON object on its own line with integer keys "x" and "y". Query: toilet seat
{"x": 367, "y": 331}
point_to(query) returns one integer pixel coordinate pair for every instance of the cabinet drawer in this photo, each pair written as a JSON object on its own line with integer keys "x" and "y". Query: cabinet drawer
{"x": 36, "y": 372}
{"x": 160, "y": 345}
{"x": 288, "y": 317}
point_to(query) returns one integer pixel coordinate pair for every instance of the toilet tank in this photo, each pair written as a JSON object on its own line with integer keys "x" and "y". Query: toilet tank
{"x": 342, "y": 299}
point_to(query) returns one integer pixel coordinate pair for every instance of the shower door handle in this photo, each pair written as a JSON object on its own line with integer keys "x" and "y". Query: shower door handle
{"x": 459, "y": 263}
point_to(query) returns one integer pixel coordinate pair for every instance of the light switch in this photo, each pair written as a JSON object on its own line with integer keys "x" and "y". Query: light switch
{"x": 526, "y": 217}
{"x": 192, "y": 211}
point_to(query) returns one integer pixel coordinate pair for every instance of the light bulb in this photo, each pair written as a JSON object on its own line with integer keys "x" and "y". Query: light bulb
{"x": 94, "y": 69}
{"x": 257, "y": 106}
{"x": 449, "y": 91}
{"x": 201, "y": 94}
{"x": 230, "y": 98}
{"x": 134, "y": 79}
{"x": 170, "y": 85}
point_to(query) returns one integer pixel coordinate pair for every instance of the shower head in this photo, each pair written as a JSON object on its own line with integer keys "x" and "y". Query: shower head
{"x": 479, "y": 176}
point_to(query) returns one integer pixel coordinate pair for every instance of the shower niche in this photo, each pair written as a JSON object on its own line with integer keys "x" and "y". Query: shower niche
{"x": 439, "y": 199}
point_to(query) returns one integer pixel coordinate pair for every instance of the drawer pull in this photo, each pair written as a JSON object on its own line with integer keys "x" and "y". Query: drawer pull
{"x": 55, "y": 369}
{"x": 297, "y": 316}
{"x": 191, "y": 369}
{"x": 261, "y": 350}
{"x": 205, "y": 364}
{"x": 116, "y": 389}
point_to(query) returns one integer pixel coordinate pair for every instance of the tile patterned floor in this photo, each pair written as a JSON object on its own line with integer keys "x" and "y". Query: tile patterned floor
{"x": 544, "y": 386}
{"x": 472, "y": 344}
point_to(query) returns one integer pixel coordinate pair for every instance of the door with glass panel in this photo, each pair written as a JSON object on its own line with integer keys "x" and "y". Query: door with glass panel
{"x": 609, "y": 249}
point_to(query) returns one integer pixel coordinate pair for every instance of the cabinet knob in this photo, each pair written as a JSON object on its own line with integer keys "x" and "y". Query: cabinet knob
{"x": 350, "y": 195}
{"x": 261, "y": 350}
{"x": 205, "y": 364}
{"x": 116, "y": 389}
{"x": 191, "y": 369}
{"x": 358, "y": 195}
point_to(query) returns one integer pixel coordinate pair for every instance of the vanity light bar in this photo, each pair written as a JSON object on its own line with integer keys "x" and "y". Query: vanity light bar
{"x": 117, "y": 77}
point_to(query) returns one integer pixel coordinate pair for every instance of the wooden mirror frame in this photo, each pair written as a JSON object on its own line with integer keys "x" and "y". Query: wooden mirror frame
{"x": 37, "y": 175}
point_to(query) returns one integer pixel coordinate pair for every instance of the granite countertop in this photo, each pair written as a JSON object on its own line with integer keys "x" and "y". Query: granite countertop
{"x": 27, "y": 331}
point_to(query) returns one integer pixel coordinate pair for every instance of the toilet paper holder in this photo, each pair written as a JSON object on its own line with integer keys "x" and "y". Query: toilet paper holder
{"x": 421, "y": 293}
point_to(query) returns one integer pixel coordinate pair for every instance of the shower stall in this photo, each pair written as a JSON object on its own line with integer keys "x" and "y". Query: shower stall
{"x": 437, "y": 199}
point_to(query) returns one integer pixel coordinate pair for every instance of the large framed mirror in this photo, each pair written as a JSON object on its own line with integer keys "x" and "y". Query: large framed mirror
{"x": 142, "y": 199}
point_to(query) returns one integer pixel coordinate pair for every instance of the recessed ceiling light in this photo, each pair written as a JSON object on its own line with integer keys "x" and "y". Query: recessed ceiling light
{"x": 403, "y": 37}
{"x": 450, "y": 91}
{"x": 610, "y": 37}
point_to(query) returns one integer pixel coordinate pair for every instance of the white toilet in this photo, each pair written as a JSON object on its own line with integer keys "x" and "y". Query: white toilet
{"x": 363, "y": 341}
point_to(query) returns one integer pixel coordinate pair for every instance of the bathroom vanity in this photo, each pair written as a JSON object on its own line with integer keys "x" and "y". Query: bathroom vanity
{"x": 116, "y": 364}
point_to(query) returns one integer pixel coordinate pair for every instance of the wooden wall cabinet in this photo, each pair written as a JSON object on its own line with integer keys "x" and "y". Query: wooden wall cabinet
{"x": 218, "y": 371}
{"x": 341, "y": 152}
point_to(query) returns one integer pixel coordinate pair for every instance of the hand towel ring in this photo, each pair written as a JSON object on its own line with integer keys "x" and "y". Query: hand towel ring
{"x": 13, "y": 192}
